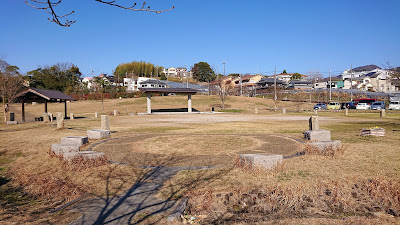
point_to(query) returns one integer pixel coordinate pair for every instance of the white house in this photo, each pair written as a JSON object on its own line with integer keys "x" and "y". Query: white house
{"x": 88, "y": 81}
{"x": 133, "y": 85}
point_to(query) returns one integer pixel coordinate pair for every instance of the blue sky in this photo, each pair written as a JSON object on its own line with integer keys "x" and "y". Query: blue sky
{"x": 250, "y": 36}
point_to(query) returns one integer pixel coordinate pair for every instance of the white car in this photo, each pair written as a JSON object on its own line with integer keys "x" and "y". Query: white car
{"x": 363, "y": 106}
{"x": 394, "y": 105}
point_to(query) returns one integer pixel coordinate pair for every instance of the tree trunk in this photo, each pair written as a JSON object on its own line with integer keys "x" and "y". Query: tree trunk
{"x": 4, "y": 108}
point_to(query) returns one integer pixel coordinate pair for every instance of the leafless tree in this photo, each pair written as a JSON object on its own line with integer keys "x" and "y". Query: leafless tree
{"x": 10, "y": 85}
{"x": 49, "y": 5}
{"x": 224, "y": 87}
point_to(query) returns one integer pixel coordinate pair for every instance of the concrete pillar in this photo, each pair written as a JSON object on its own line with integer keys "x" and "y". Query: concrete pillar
{"x": 346, "y": 112}
{"x": 256, "y": 110}
{"x": 71, "y": 116}
{"x": 148, "y": 103}
{"x": 105, "y": 122}
{"x": 383, "y": 113}
{"x": 315, "y": 112}
{"x": 96, "y": 114}
{"x": 284, "y": 110}
{"x": 45, "y": 117}
{"x": 51, "y": 116}
{"x": 190, "y": 103}
{"x": 60, "y": 121}
{"x": 313, "y": 123}
{"x": 115, "y": 112}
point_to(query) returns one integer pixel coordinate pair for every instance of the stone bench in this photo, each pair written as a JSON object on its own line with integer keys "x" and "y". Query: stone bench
{"x": 317, "y": 135}
{"x": 264, "y": 161}
{"x": 83, "y": 154}
{"x": 60, "y": 149}
{"x": 322, "y": 146}
{"x": 77, "y": 140}
{"x": 98, "y": 134}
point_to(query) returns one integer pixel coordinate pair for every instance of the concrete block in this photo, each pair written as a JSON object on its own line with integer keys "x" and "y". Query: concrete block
{"x": 76, "y": 140}
{"x": 115, "y": 113}
{"x": 317, "y": 135}
{"x": 321, "y": 146}
{"x": 264, "y": 161}
{"x": 60, "y": 121}
{"x": 12, "y": 122}
{"x": 284, "y": 110}
{"x": 83, "y": 154}
{"x": 96, "y": 115}
{"x": 383, "y": 113}
{"x": 313, "y": 123}
{"x": 98, "y": 134}
{"x": 105, "y": 122}
{"x": 46, "y": 118}
{"x": 71, "y": 116}
{"x": 60, "y": 149}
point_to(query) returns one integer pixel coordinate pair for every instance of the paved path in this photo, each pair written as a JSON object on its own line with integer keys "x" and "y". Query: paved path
{"x": 139, "y": 201}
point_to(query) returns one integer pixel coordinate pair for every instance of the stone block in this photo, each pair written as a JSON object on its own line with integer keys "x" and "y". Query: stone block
{"x": 12, "y": 122}
{"x": 105, "y": 122}
{"x": 46, "y": 118}
{"x": 60, "y": 149}
{"x": 98, "y": 134}
{"x": 60, "y": 121}
{"x": 383, "y": 113}
{"x": 321, "y": 146}
{"x": 263, "y": 161}
{"x": 51, "y": 116}
{"x": 313, "y": 123}
{"x": 346, "y": 112}
{"x": 71, "y": 116}
{"x": 83, "y": 154}
{"x": 317, "y": 135}
{"x": 115, "y": 113}
{"x": 76, "y": 140}
{"x": 284, "y": 110}
{"x": 96, "y": 115}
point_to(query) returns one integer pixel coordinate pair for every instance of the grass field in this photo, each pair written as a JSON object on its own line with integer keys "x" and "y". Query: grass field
{"x": 360, "y": 186}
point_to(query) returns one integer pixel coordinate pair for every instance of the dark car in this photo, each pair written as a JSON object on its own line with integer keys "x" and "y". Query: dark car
{"x": 351, "y": 105}
{"x": 378, "y": 105}
{"x": 320, "y": 106}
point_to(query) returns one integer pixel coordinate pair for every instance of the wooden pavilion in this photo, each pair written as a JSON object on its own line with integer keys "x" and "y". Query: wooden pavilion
{"x": 44, "y": 96}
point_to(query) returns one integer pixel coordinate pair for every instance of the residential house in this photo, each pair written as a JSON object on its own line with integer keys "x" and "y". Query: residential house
{"x": 300, "y": 85}
{"x": 88, "y": 82}
{"x": 286, "y": 77}
{"x": 152, "y": 83}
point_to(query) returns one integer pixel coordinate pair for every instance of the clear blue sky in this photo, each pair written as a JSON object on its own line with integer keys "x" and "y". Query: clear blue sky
{"x": 250, "y": 36}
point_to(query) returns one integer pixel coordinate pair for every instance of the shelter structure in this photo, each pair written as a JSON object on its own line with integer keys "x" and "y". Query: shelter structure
{"x": 187, "y": 91}
{"x": 42, "y": 95}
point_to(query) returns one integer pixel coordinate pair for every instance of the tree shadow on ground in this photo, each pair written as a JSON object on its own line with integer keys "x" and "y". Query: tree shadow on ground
{"x": 139, "y": 204}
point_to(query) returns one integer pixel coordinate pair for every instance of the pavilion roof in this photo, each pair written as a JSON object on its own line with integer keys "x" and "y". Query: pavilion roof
{"x": 33, "y": 94}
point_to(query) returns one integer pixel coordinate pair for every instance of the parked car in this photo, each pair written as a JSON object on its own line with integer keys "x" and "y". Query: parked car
{"x": 394, "y": 105}
{"x": 320, "y": 106}
{"x": 363, "y": 106}
{"x": 378, "y": 105}
{"x": 334, "y": 105}
{"x": 352, "y": 105}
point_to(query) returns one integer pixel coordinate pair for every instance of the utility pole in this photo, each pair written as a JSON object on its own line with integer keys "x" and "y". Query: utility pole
{"x": 224, "y": 67}
{"x": 330, "y": 85}
{"x": 351, "y": 83}
{"x": 275, "y": 97}
{"x": 241, "y": 87}
{"x": 187, "y": 77}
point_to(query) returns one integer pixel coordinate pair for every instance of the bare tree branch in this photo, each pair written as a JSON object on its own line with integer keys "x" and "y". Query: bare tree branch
{"x": 48, "y": 6}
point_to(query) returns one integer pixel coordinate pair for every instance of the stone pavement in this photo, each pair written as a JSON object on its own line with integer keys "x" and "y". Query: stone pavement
{"x": 139, "y": 201}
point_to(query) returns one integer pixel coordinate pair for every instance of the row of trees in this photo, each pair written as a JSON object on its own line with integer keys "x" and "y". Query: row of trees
{"x": 135, "y": 69}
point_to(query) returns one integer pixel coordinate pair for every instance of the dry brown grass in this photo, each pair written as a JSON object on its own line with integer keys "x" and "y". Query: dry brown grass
{"x": 375, "y": 159}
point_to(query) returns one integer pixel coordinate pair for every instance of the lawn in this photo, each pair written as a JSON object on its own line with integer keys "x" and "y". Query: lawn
{"x": 369, "y": 163}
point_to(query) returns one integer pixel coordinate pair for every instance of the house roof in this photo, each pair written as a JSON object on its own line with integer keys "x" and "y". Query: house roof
{"x": 366, "y": 68}
{"x": 270, "y": 81}
{"x": 36, "y": 94}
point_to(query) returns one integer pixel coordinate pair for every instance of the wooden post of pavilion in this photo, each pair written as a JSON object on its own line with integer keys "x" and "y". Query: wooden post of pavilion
{"x": 65, "y": 109}
{"x": 23, "y": 111}
{"x": 45, "y": 106}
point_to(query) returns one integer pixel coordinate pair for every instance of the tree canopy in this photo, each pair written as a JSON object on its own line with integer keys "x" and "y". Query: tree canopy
{"x": 143, "y": 69}
{"x": 62, "y": 77}
{"x": 295, "y": 76}
{"x": 203, "y": 72}
{"x": 284, "y": 72}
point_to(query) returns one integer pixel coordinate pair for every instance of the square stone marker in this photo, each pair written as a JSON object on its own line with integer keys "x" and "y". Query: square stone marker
{"x": 98, "y": 134}
{"x": 323, "y": 145}
{"x": 77, "y": 140}
{"x": 266, "y": 161}
{"x": 317, "y": 135}
{"x": 60, "y": 149}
